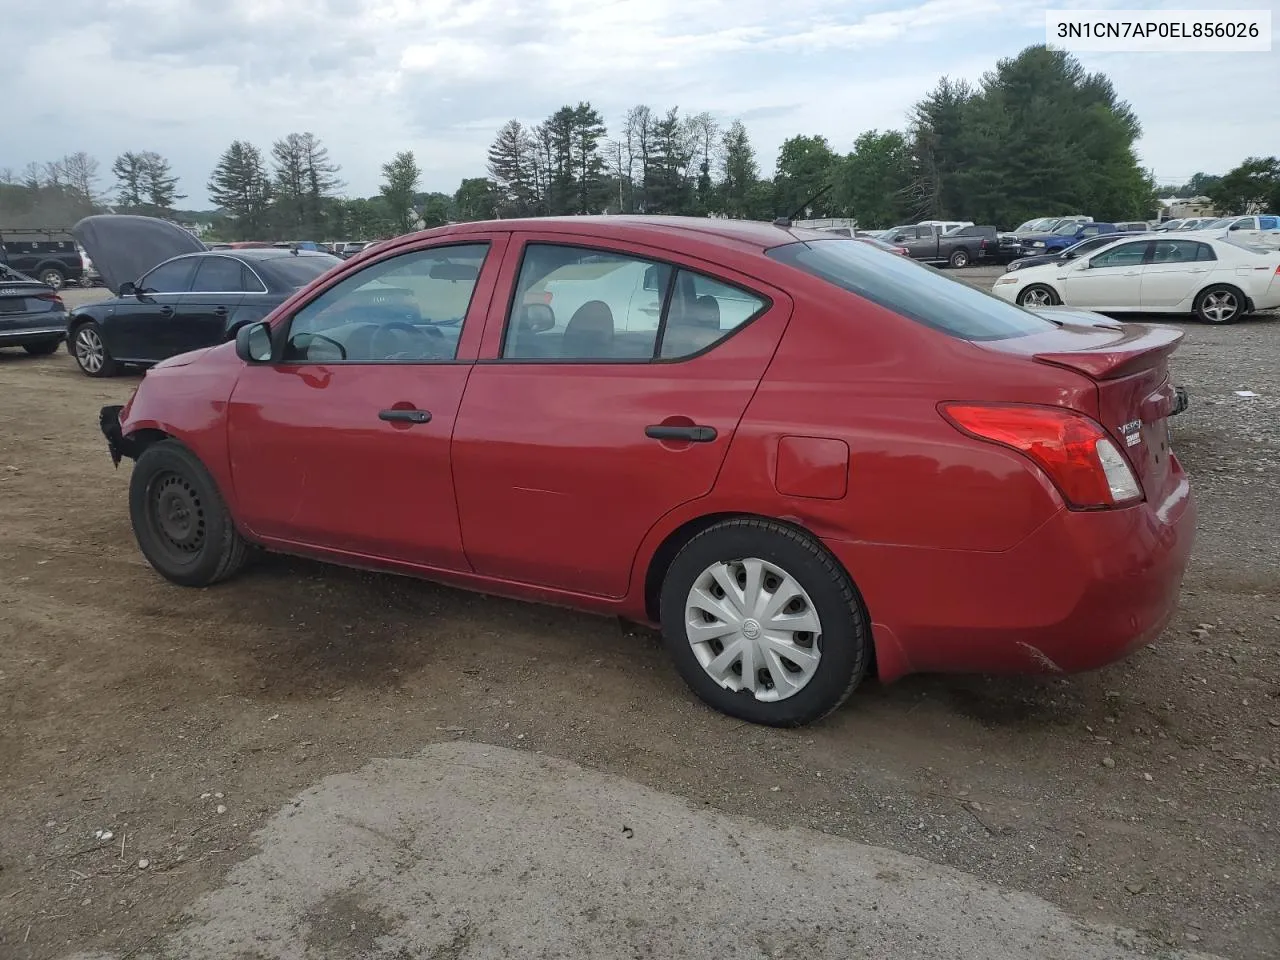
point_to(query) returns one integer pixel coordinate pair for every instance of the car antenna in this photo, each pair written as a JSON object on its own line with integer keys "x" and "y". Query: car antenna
{"x": 785, "y": 222}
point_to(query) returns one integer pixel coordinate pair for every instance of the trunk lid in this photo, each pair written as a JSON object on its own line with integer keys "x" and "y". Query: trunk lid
{"x": 26, "y": 296}
{"x": 1129, "y": 366}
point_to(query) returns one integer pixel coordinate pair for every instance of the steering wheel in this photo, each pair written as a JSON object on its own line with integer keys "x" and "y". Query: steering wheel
{"x": 402, "y": 347}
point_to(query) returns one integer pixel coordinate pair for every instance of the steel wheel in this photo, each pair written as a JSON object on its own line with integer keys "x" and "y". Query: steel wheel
{"x": 52, "y": 277}
{"x": 754, "y": 628}
{"x": 177, "y": 515}
{"x": 1219, "y": 306}
{"x": 90, "y": 352}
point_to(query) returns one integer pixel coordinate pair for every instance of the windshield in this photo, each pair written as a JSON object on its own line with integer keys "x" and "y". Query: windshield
{"x": 298, "y": 271}
{"x": 1068, "y": 229}
{"x": 911, "y": 289}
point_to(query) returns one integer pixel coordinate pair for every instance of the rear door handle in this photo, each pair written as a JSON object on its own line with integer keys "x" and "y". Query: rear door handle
{"x": 219, "y": 311}
{"x": 166, "y": 311}
{"x": 667, "y": 431}
{"x": 405, "y": 416}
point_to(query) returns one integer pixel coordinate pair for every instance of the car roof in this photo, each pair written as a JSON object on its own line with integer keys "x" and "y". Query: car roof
{"x": 748, "y": 235}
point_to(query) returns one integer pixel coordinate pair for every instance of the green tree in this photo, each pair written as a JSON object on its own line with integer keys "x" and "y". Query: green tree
{"x": 874, "y": 182}
{"x": 241, "y": 186}
{"x": 304, "y": 178}
{"x": 401, "y": 176}
{"x": 1253, "y": 185}
{"x": 129, "y": 170}
{"x": 513, "y": 166}
{"x": 805, "y": 167}
{"x": 667, "y": 187}
{"x": 159, "y": 185}
{"x": 739, "y": 174}
{"x": 477, "y": 198}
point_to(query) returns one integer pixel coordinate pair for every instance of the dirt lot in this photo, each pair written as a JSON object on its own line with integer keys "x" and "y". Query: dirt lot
{"x": 1145, "y": 794}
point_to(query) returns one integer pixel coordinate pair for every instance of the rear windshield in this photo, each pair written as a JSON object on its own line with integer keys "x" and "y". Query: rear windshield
{"x": 298, "y": 271}
{"x": 911, "y": 289}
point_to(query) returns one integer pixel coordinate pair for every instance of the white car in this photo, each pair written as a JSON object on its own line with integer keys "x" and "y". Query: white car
{"x": 1214, "y": 279}
{"x": 1255, "y": 231}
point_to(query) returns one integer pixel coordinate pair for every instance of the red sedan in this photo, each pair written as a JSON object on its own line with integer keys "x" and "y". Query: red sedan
{"x": 805, "y": 459}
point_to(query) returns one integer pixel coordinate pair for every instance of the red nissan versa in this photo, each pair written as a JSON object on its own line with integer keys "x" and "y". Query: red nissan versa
{"x": 804, "y": 458}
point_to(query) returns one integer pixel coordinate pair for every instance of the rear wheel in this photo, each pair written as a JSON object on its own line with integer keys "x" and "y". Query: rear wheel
{"x": 180, "y": 520}
{"x": 959, "y": 258}
{"x": 41, "y": 349}
{"x": 763, "y": 624}
{"x": 1038, "y": 295}
{"x": 53, "y": 277}
{"x": 1220, "y": 304}
{"x": 91, "y": 352}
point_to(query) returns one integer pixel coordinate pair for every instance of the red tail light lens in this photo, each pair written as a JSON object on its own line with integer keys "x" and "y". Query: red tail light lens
{"x": 1073, "y": 450}
{"x": 52, "y": 298}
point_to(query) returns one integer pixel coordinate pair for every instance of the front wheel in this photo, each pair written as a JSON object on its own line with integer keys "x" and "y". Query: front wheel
{"x": 180, "y": 521}
{"x": 1038, "y": 295}
{"x": 763, "y": 624}
{"x": 91, "y": 353}
{"x": 1220, "y": 304}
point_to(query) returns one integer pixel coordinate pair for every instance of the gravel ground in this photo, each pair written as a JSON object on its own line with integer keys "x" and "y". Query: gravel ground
{"x": 1145, "y": 794}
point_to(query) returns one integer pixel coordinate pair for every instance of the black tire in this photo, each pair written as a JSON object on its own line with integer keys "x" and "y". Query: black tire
{"x": 844, "y": 642}
{"x": 53, "y": 277}
{"x": 181, "y": 522}
{"x": 1024, "y": 295}
{"x": 80, "y": 347}
{"x": 959, "y": 258}
{"x": 1211, "y": 304}
{"x": 41, "y": 349}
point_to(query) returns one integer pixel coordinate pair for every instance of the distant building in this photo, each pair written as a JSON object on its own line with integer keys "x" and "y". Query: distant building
{"x": 1180, "y": 208}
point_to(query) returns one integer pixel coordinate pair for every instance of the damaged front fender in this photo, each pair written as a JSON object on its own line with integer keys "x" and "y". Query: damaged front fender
{"x": 118, "y": 444}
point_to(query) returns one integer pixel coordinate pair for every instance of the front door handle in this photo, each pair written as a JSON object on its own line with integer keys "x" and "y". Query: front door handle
{"x": 405, "y": 416}
{"x": 166, "y": 311}
{"x": 219, "y": 311}
{"x": 669, "y": 431}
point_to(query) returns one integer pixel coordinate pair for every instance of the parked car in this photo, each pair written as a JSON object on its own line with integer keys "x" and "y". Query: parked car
{"x": 1213, "y": 279}
{"x": 32, "y": 315}
{"x": 172, "y": 294}
{"x": 1048, "y": 224}
{"x": 1062, "y": 257}
{"x": 959, "y": 248}
{"x": 1259, "y": 230}
{"x": 881, "y": 245}
{"x": 90, "y": 277}
{"x": 1066, "y": 234}
{"x": 763, "y": 471}
{"x": 50, "y": 256}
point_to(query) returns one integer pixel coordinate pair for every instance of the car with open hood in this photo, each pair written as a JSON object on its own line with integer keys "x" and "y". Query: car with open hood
{"x": 718, "y": 427}
{"x": 172, "y": 293}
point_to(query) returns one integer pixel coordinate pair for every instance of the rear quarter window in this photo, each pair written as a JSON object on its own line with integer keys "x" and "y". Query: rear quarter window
{"x": 910, "y": 289}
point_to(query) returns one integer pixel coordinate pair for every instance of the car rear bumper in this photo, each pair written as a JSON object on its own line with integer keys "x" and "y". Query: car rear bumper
{"x": 32, "y": 328}
{"x": 1086, "y": 589}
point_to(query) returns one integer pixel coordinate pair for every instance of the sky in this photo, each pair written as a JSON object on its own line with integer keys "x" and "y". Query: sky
{"x": 438, "y": 77}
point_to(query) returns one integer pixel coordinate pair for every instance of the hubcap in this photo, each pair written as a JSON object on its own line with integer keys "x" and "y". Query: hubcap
{"x": 1036, "y": 298}
{"x": 753, "y": 627}
{"x": 178, "y": 514}
{"x": 89, "y": 349}
{"x": 53, "y": 279}
{"x": 1220, "y": 306}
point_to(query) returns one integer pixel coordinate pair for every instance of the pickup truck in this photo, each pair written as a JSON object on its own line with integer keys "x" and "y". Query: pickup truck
{"x": 1068, "y": 234}
{"x": 50, "y": 256}
{"x": 959, "y": 248}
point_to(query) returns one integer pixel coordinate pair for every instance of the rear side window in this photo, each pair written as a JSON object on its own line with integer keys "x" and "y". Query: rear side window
{"x": 218, "y": 275}
{"x": 915, "y": 291}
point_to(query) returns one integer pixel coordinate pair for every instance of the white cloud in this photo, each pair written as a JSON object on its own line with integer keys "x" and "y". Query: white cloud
{"x": 372, "y": 77}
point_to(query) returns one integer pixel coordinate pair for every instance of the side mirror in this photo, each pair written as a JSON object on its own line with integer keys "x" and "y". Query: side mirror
{"x": 253, "y": 343}
{"x": 1083, "y": 265}
{"x": 898, "y": 237}
{"x": 536, "y": 318}
{"x": 128, "y": 289}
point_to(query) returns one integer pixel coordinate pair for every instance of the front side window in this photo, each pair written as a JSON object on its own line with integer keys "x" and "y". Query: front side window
{"x": 218, "y": 275}
{"x": 580, "y": 304}
{"x": 911, "y": 290}
{"x": 1067, "y": 230}
{"x": 410, "y": 308}
{"x": 171, "y": 277}
{"x": 1125, "y": 255}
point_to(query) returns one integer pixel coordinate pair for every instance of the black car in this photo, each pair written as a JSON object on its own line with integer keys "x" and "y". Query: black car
{"x": 31, "y": 313}
{"x": 50, "y": 256}
{"x": 172, "y": 293}
{"x": 1088, "y": 245}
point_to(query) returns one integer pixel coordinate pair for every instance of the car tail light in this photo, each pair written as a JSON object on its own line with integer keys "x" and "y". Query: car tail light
{"x": 52, "y": 298}
{"x": 1073, "y": 450}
